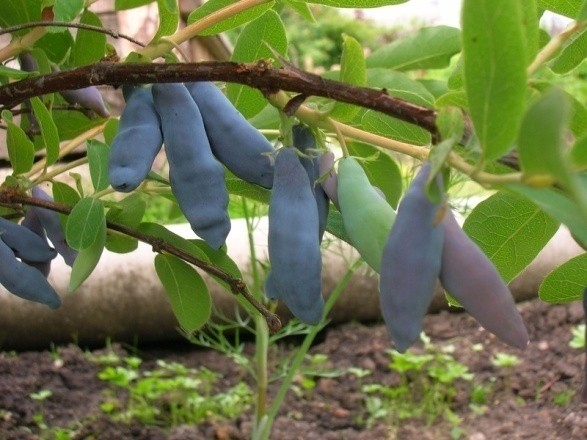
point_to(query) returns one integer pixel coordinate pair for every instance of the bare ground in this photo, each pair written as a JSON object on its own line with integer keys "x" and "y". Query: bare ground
{"x": 524, "y": 401}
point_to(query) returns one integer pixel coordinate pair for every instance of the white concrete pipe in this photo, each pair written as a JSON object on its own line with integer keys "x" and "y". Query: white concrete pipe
{"x": 124, "y": 300}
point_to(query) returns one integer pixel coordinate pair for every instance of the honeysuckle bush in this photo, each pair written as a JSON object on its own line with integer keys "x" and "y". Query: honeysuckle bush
{"x": 506, "y": 117}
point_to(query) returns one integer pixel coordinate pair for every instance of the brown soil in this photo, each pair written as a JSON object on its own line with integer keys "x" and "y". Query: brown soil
{"x": 524, "y": 401}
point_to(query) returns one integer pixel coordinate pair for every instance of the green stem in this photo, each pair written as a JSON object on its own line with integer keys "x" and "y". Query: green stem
{"x": 265, "y": 431}
{"x": 261, "y": 329}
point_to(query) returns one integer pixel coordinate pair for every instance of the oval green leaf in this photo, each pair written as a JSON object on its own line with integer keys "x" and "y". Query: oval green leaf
{"x": 85, "y": 223}
{"x": 186, "y": 290}
{"x": 98, "y": 153}
{"x": 49, "y": 133}
{"x": 494, "y": 55}
{"x": 510, "y": 230}
{"x": 87, "y": 259}
{"x": 566, "y": 283}
{"x": 254, "y": 43}
{"x": 428, "y": 48}
{"x": 21, "y": 151}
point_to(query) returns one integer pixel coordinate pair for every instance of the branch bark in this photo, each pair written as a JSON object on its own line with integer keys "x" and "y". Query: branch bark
{"x": 259, "y": 75}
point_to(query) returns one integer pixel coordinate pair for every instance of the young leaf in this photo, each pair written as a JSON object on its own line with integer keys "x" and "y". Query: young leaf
{"x": 63, "y": 193}
{"x": 187, "y": 292}
{"x": 494, "y": 55}
{"x": 48, "y": 130}
{"x": 89, "y": 46}
{"x": 352, "y": 71}
{"x": 87, "y": 259}
{"x": 302, "y": 8}
{"x": 230, "y": 23}
{"x": 66, "y": 10}
{"x": 98, "y": 162}
{"x": 21, "y": 150}
{"x": 84, "y": 224}
{"x": 168, "y": 18}
{"x": 530, "y": 23}
{"x": 428, "y": 48}
{"x": 566, "y": 283}
{"x": 254, "y": 43}
{"x": 510, "y": 230}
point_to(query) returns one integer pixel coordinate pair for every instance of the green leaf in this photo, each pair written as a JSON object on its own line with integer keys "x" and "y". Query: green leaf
{"x": 582, "y": 15}
{"x": 230, "y": 23}
{"x": 428, "y": 48}
{"x": 65, "y": 194}
{"x": 9, "y": 72}
{"x": 530, "y": 27}
{"x": 18, "y": 12}
{"x": 87, "y": 259}
{"x": 49, "y": 132}
{"x": 72, "y": 123}
{"x": 111, "y": 130}
{"x": 573, "y": 54}
{"x": 84, "y": 224}
{"x": 238, "y": 187}
{"x": 566, "y": 283}
{"x": 98, "y": 153}
{"x": 357, "y": 3}
{"x": 568, "y": 8}
{"x": 173, "y": 239}
{"x": 67, "y": 10}
{"x": 120, "y": 5}
{"x": 579, "y": 153}
{"x": 56, "y": 45}
{"x": 558, "y": 206}
{"x": 302, "y": 8}
{"x": 128, "y": 212}
{"x": 392, "y": 128}
{"x": 254, "y": 43}
{"x": 352, "y": 71}
{"x": 494, "y": 55}
{"x": 21, "y": 151}
{"x": 89, "y": 46}
{"x": 540, "y": 140}
{"x": 187, "y": 292}
{"x": 510, "y": 230}
{"x": 168, "y": 18}
{"x": 383, "y": 172}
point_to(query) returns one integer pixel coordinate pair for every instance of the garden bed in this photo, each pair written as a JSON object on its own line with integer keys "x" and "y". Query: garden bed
{"x": 347, "y": 389}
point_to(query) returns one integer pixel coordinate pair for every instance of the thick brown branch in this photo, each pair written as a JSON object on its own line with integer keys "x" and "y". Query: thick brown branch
{"x": 258, "y": 75}
{"x": 237, "y": 286}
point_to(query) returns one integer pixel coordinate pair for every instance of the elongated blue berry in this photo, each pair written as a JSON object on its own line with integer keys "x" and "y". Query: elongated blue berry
{"x": 196, "y": 177}
{"x": 411, "y": 263}
{"x": 294, "y": 248}
{"x": 234, "y": 141}
{"x": 137, "y": 142}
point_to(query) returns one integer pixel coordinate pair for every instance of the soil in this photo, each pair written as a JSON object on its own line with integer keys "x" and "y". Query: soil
{"x": 523, "y": 401}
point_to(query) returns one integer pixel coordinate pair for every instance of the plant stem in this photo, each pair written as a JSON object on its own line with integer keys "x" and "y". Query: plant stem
{"x": 261, "y": 329}
{"x": 555, "y": 44}
{"x": 20, "y": 44}
{"x": 265, "y": 431}
{"x": 314, "y": 117}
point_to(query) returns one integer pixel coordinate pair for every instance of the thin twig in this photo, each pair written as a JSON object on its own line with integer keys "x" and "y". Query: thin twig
{"x": 88, "y": 27}
{"x": 237, "y": 285}
{"x": 259, "y": 75}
